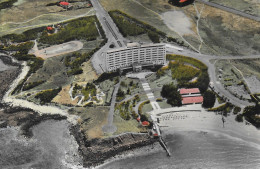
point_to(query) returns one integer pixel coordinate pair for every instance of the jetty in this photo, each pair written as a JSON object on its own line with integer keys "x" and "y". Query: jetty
{"x": 157, "y": 133}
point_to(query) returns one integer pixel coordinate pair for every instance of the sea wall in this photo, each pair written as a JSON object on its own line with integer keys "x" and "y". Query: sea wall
{"x": 96, "y": 151}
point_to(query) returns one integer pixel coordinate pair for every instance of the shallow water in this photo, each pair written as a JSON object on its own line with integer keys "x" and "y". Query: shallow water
{"x": 194, "y": 150}
{"x": 52, "y": 146}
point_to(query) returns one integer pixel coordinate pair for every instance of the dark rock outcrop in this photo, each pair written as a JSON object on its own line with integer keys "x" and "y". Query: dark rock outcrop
{"x": 96, "y": 151}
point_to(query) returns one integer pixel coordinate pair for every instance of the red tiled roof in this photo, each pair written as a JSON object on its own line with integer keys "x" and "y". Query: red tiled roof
{"x": 145, "y": 123}
{"x": 190, "y": 100}
{"x": 181, "y": 1}
{"x": 49, "y": 28}
{"x": 187, "y": 91}
{"x": 64, "y": 3}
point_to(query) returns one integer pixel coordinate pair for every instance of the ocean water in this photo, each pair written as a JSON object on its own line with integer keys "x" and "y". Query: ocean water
{"x": 51, "y": 147}
{"x": 194, "y": 150}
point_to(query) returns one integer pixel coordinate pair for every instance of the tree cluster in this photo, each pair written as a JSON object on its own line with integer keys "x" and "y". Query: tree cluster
{"x": 209, "y": 99}
{"x": 23, "y": 37}
{"x": 89, "y": 89}
{"x": 83, "y": 28}
{"x": 251, "y": 113}
{"x": 203, "y": 78}
{"x": 130, "y": 26}
{"x": 7, "y": 4}
{"x": 46, "y": 96}
{"x": 171, "y": 93}
{"x": 31, "y": 85}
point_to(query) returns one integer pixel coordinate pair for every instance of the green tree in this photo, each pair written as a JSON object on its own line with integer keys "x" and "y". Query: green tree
{"x": 155, "y": 38}
{"x": 209, "y": 99}
{"x": 170, "y": 92}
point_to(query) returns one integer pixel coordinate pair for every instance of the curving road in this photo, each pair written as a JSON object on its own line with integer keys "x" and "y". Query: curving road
{"x": 112, "y": 33}
{"x": 231, "y": 10}
{"x": 218, "y": 87}
{"x": 113, "y": 36}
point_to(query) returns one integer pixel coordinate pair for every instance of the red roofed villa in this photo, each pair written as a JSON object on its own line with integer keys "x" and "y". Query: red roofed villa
{"x": 49, "y": 28}
{"x": 192, "y": 100}
{"x": 63, "y": 3}
{"x": 145, "y": 123}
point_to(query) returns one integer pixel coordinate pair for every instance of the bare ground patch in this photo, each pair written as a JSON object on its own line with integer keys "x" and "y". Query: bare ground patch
{"x": 64, "y": 97}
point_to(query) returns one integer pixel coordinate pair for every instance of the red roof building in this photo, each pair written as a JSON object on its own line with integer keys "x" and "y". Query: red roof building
{"x": 192, "y": 100}
{"x": 189, "y": 91}
{"x": 155, "y": 135}
{"x": 49, "y": 28}
{"x": 181, "y": 1}
{"x": 63, "y": 3}
{"x": 145, "y": 123}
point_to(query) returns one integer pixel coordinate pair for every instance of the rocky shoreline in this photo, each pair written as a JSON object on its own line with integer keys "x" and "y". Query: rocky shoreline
{"x": 8, "y": 76}
{"x": 94, "y": 152}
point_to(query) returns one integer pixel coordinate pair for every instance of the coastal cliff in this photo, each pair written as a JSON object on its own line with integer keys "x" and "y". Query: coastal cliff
{"x": 96, "y": 151}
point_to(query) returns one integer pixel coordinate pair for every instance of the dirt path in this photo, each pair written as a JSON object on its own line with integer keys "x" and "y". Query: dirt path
{"x": 41, "y": 109}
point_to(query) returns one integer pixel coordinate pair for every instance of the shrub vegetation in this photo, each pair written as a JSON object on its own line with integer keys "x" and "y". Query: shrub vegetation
{"x": 171, "y": 93}
{"x": 129, "y": 26}
{"x": 209, "y": 99}
{"x": 252, "y": 114}
{"x": 83, "y": 28}
{"x": 189, "y": 68}
{"x": 46, "y": 96}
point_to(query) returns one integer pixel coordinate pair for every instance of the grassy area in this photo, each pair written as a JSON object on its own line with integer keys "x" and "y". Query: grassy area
{"x": 15, "y": 20}
{"x": 164, "y": 105}
{"x": 82, "y": 28}
{"x": 190, "y": 68}
{"x": 89, "y": 90}
{"x": 91, "y": 120}
{"x": 182, "y": 72}
{"x": 127, "y": 126}
{"x": 249, "y": 67}
{"x": 140, "y": 108}
{"x": 130, "y": 26}
{"x": 53, "y": 72}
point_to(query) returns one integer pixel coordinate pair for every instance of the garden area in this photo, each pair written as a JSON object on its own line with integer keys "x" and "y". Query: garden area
{"x": 193, "y": 72}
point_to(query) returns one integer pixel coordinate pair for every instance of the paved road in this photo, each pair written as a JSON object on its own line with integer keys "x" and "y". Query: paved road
{"x": 113, "y": 36}
{"x": 110, "y": 127}
{"x": 108, "y": 25}
{"x": 112, "y": 33}
{"x": 231, "y": 10}
{"x": 218, "y": 87}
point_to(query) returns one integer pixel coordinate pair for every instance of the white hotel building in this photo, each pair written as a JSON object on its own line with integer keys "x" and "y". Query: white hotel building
{"x": 135, "y": 56}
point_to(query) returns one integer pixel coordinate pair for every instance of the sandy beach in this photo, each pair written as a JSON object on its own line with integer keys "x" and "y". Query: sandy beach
{"x": 210, "y": 122}
{"x": 202, "y": 128}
